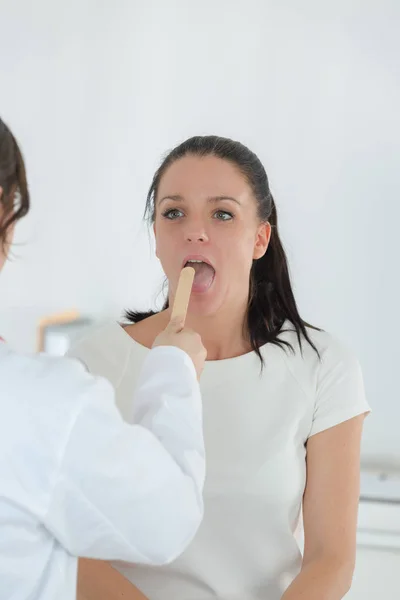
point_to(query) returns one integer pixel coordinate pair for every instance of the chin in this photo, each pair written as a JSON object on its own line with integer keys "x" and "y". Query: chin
{"x": 205, "y": 305}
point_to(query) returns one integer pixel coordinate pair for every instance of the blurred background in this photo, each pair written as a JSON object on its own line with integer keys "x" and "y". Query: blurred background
{"x": 97, "y": 91}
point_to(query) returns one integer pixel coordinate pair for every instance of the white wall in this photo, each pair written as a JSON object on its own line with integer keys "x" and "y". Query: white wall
{"x": 376, "y": 575}
{"x": 97, "y": 91}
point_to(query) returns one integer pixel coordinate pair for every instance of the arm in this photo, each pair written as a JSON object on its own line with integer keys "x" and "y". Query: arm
{"x": 134, "y": 492}
{"x": 97, "y": 580}
{"x": 330, "y": 513}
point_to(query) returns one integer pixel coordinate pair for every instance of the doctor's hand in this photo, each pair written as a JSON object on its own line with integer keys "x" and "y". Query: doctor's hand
{"x": 175, "y": 334}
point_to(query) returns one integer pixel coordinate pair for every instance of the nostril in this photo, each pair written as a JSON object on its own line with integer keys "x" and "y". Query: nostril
{"x": 198, "y": 238}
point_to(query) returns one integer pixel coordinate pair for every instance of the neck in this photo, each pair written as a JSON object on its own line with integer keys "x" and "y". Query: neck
{"x": 222, "y": 333}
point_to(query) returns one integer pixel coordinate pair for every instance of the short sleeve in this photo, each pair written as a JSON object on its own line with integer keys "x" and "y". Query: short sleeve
{"x": 340, "y": 393}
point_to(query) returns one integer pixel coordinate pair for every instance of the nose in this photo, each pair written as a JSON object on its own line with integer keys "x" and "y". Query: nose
{"x": 196, "y": 234}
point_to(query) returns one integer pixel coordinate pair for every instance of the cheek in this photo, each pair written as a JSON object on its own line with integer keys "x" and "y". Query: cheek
{"x": 241, "y": 252}
{"x": 237, "y": 264}
{"x": 166, "y": 250}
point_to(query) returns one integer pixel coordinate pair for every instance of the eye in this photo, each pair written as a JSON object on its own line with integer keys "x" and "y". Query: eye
{"x": 223, "y": 215}
{"x": 172, "y": 214}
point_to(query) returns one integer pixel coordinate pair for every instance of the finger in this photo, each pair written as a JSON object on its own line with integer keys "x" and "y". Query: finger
{"x": 182, "y": 296}
{"x": 176, "y": 325}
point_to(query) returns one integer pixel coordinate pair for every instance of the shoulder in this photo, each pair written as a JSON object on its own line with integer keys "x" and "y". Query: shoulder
{"x": 107, "y": 350}
{"x": 327, "y": 345}
{"x": 145, "y": 332}
{"x": 330, "y": 356}
{"x": 100, "y": 336}
{"x": 333, "y": 352}
{"x": 35, "y": 365}
{"x": 41, "y": 377}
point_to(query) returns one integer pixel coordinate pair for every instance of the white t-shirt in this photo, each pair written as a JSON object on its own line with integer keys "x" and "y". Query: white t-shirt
{"x": 75, "y": 479}
{"x": 256, "y": 427}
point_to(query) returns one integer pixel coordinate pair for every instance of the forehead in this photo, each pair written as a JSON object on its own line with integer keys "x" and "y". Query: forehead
{"x": 203, "y": 176}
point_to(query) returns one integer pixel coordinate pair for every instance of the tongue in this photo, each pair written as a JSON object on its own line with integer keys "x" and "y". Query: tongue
{"x": 204, "y": 276}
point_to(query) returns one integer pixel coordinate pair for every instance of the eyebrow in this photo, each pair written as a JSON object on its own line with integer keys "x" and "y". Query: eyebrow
{"x": 211, "y": 199}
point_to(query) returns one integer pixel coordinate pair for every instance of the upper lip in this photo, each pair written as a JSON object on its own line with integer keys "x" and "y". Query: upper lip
{"x": 197, "y": 257}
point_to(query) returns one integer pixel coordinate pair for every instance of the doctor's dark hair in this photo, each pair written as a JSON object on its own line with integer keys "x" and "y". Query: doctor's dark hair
{"x": 14, "y": 198}
{"x": 271, "y": 298}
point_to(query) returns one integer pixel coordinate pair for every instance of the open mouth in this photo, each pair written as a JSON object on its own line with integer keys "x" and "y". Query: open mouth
{"x": 204, "y": 274}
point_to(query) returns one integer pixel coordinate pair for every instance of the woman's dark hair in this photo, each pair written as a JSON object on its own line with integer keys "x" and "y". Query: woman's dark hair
{"x": 15, "y": 196}
{"x": 271, "y": 298}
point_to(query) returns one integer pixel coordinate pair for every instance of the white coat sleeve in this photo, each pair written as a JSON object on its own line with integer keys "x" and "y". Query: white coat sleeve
{"x": 134, "y": 492}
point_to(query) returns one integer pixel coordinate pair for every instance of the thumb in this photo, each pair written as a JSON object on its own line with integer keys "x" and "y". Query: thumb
{"x": 176, "y": 325}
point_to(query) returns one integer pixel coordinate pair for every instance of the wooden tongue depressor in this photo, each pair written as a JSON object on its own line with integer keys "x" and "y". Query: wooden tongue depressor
{"x": 183, "y": 292}
{"x": 59, "y": 319}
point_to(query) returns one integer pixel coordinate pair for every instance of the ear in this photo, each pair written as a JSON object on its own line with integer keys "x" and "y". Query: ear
{"x": 155, "y": 237}
{"x": 262, "y": 240}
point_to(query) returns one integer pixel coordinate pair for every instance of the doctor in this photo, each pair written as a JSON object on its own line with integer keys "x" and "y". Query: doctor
{"x": 75, "y": 480}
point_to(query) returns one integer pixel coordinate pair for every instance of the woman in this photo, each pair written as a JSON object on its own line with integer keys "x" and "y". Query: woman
{"x": 283, "y": 401}
{"x": 75, "y": 480}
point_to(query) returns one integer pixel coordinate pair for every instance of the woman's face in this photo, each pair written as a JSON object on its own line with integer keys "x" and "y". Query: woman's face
{"x": 205, "y": 212}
